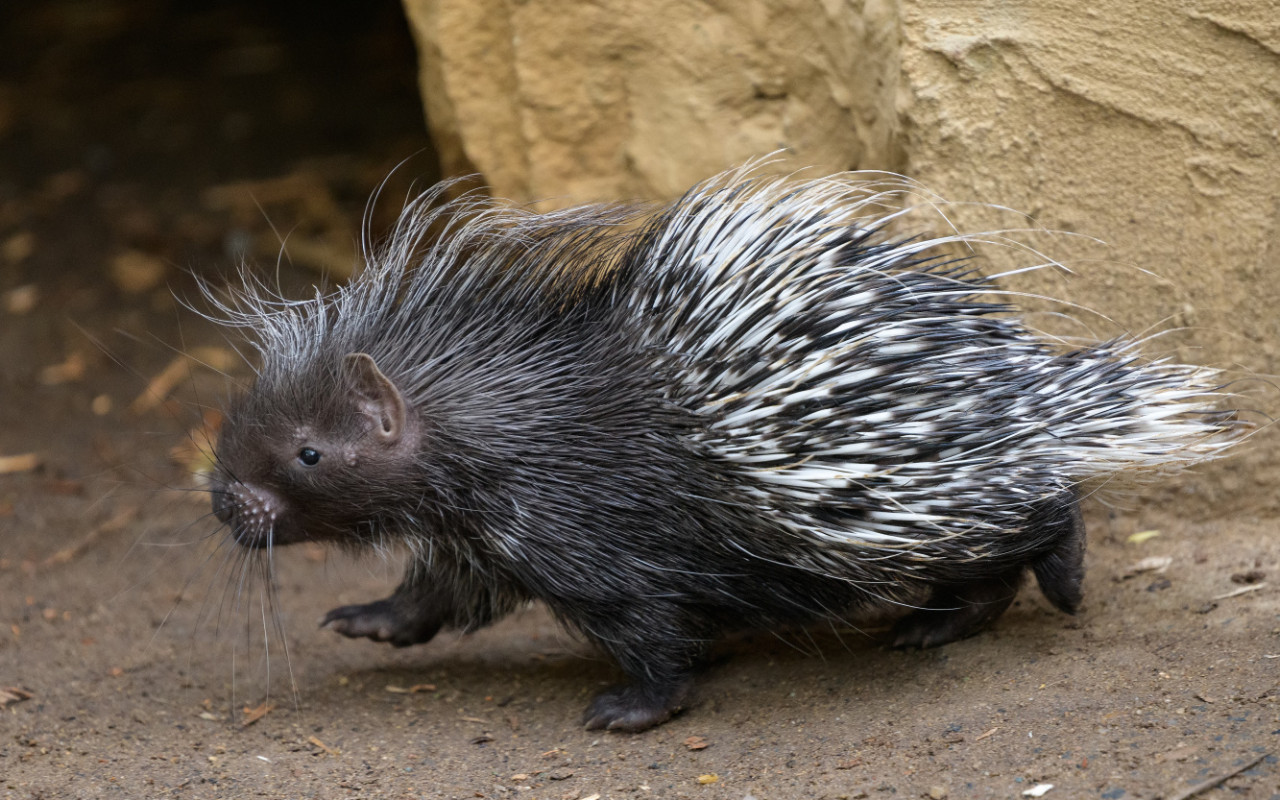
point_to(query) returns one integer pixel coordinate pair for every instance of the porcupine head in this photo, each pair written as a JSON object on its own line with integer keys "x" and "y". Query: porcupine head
{"x": 323, "y": 449}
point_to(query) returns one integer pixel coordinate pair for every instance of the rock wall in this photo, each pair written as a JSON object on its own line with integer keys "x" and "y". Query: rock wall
{"x": 1154, "y": 127}
{"x": 560, "y": 101}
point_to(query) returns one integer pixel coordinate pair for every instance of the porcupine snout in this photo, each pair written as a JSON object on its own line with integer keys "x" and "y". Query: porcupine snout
{"x": 251, "y": 512}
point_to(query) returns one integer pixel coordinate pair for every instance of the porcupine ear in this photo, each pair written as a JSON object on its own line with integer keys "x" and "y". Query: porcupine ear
{"x": 376, "y": 395}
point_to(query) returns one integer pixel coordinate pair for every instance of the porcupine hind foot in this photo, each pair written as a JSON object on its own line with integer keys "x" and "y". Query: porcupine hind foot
{"x": 413, "y": 614}
{"x": 961, "y": 610}
{"x": 957, "y": 611}
{"x": 634, "y": 706}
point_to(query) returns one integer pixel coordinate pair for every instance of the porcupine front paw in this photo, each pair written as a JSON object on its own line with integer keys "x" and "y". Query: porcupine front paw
{"x": 383, "y": 621}
{"x": 633, "y": 707}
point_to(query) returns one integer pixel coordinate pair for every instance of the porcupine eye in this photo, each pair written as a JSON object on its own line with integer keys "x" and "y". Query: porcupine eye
{"x": 308, "y": 456}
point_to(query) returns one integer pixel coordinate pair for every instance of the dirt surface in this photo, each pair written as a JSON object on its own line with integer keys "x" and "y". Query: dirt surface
{"x": 137, "y": 658}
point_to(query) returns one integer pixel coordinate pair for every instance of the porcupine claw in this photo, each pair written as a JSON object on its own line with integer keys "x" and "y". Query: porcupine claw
{"x": 383, "y": 621}
{"x": 632, "y": 707}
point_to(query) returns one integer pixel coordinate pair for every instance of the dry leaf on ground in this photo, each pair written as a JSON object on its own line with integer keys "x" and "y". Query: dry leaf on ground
{"x": 12, "y": 694}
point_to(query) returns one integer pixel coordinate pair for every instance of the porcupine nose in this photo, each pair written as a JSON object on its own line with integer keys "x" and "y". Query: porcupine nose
{"x": 250, "y": 512}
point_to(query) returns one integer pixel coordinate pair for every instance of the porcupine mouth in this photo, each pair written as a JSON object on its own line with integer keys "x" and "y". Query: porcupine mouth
{"x": 223, "y": 506}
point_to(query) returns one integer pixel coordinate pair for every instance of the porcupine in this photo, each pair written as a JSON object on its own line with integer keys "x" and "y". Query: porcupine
{"x": 754, "y": 407}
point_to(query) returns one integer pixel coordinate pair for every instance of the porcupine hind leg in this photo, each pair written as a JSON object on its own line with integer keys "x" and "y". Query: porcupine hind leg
{"x": 658, "y": 654}
{"x": 956, "y": 611}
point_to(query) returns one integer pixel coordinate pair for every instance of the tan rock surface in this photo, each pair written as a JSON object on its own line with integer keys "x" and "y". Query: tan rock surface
{"x": 564, "y": 102}
{"x": 1154, "y": 127}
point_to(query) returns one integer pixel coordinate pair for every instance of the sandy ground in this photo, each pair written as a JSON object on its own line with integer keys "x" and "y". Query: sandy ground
{"x": 137, "y": 658}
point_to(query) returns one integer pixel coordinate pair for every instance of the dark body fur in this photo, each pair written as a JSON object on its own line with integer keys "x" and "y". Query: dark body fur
{"x": 539, "y": 411}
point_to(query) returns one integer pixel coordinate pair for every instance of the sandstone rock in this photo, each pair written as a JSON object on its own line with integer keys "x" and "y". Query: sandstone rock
{"x": 1152, "y": 126}
{"x": 563, "y": 102}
